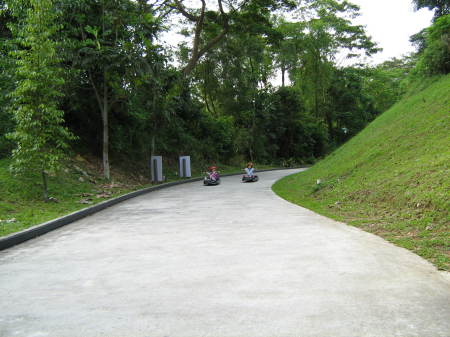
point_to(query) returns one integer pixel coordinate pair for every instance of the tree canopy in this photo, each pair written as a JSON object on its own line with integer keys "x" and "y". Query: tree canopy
{"x": 98, "y": 69}
{"x": 440, "y": 7}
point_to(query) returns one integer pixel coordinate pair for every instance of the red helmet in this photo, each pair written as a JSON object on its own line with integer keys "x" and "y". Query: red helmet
{"x": 212, "y": 168}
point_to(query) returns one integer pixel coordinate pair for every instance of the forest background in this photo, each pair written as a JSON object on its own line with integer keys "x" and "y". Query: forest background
{"x": 89, "y": 76}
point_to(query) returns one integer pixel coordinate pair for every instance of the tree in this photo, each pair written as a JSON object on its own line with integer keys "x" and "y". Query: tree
{"x": 219, "y": 22}
{"x": 7, "y": 77}
{"x": 435, "y": 56}
{"x": 152, "y": 91}
{"x": 198, "y": 48}
{"x": 290, "y": 46}
{"x": 441, "y": 7}
{"x": 326, "y": 32}
{"x": 108, "y": 41}
{"x": 40, "y": 134}
{"x": 384, "y": 83}
{"x": 233, "y": 79}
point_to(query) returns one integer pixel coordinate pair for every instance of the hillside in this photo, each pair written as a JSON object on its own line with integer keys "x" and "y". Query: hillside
{"x": 392, "y": 179}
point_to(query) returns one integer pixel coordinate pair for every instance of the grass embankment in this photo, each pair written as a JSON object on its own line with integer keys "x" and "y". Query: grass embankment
{"x": 78, "y": 186}
{"x": 392, "y": 179}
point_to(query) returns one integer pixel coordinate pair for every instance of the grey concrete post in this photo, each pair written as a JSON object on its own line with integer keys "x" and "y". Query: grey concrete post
{"x": 156, "y": 168}
{"x": 184, "y": 170}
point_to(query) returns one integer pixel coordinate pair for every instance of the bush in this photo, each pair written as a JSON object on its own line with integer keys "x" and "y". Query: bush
{"x": 435, "y": 58}
{"x": 6, "y": 126}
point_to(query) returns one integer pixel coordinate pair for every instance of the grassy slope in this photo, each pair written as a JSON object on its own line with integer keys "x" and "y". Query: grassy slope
{"x": 21, "y": 198}
{"x": 392, "y": 179}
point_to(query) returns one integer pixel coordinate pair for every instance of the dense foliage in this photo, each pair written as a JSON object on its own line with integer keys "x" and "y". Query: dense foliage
{"x": 434, "y": 56}
{"x": 125, "y": 95}
{"x": 6, "y": 80}
{"x": 39, "y": 134}
{"x": 440, "y": 7}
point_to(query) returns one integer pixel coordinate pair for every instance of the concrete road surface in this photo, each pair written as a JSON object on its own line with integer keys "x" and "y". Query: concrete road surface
{"x": 232, "y": 260}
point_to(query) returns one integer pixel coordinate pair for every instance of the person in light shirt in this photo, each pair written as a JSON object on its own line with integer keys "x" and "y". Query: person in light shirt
{"x": 249, "y": 170}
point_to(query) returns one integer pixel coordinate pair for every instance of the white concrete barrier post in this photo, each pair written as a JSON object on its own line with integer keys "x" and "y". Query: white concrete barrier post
{"x": 156, "y": 168}
{"x": 184, "y": 170}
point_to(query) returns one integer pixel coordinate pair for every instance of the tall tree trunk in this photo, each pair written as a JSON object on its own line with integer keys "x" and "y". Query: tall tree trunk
{"x": 106, "y": 171}
{"x": 103, "y": 106}
{"x": 45, "y": 185}
{"x": 316, "y": 89}
{"x": 104, "y": 111}
{"x": 197, "y": 50}
{"x": 283, "y": 70}
{"x": 205, "y": 96}
{"x": 253, "y": 127}
{"x": 330, "y": 126}
{"x": 153, "y": 143}
{"x": 213, "y": 106}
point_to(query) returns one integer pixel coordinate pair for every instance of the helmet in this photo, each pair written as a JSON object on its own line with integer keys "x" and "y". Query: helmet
{"x": 212, "y": 168}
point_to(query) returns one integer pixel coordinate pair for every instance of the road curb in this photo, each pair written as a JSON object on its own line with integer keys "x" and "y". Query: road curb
{"x": 38, "y": 230}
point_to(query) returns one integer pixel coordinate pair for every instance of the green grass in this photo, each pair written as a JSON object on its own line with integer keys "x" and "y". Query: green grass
{"x": 392, "y": 179}
{"x": 21, "y": 198}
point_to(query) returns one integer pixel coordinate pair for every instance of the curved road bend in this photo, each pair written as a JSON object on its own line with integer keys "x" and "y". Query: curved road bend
{"x": 227, "y": 261}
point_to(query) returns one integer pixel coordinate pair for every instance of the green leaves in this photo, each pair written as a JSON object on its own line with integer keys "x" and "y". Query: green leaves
{"x": 149, "y": 18}
{"x": 40, "y": 135}
{"x": 92, "y": 30}
{"x": 441, "y": 7}
{"x": 435, "y": 57}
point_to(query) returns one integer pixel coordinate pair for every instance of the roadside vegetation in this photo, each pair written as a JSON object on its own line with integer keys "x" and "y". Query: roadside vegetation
{"x": 98, "y": 79}
{"x": 392, "y": 179}
{"x": 78, "y": 185}
{"x": 94, "y": 77}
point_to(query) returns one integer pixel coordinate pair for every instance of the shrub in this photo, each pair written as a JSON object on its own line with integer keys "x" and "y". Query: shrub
{"x": 435, "y": 58}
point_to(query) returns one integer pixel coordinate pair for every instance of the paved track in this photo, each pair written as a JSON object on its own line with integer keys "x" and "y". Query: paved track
{"x": 233, "y": 260}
